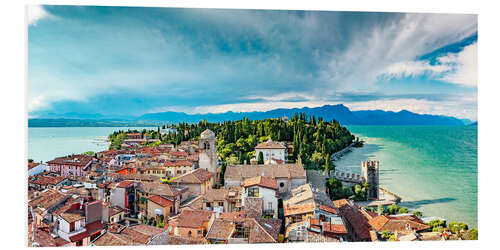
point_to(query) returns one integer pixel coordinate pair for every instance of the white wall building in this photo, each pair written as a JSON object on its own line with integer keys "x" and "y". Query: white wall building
{"x": 273, "y": 152}
{"x": 263, "y": 188}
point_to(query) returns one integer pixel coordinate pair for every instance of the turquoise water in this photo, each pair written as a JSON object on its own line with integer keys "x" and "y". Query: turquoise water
{"x": 45, "y": 144}
{"x": 433, "y": 168}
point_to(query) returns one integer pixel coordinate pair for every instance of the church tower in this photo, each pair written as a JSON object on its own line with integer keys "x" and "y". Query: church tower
{"x": 369, "y": 171}
{"x": 208, "y": 151}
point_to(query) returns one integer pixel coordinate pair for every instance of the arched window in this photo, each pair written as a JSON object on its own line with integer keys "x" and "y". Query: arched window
{"x": 189, "y": 234}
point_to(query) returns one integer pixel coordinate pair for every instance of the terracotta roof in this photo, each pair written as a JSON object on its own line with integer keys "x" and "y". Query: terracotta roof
{"x": 193, "y": 218}
{"x": 125, "y": 184}
{"x": 163, "y": 202}
{"x": 396, "y": 224}
{"x": 355, "y": 218}
{"x": 216, "y": 194}
{"x": 148, "y": 230}
{"x": 334, "y": 228}
{"x": 155, "y": 188}
{"x": 49, "y": 198}
{"x": 271, "y": 171}
{"x": 72, "y": 216}
{"x": 44, "y": 239}
{"x": 135, "y": 236}
{"x": 197, "y": 176}
{"x": 299, "y": 209}
{"x": 48, "y": 180}
{"x": 328, "y": 209}
{"x": 341, "y": 202}
{"x": 72, "y": 160}
{"x": 166, "y": 239}
{"x": 178, "y": 153}
{"x": 262, "y": 182}
{"x": 32, "y": 165}
{"x": 270, "y": 145}
{"x": 221, "y": 229}
{"x": 112, "y": 239}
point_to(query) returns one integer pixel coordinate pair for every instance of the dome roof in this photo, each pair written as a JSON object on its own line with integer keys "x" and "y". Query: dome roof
{"x": 207, "y": 134}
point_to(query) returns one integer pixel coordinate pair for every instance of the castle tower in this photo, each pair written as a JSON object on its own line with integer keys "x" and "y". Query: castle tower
{"x": 369, "y": 170}
{"x": 208, "y": 152}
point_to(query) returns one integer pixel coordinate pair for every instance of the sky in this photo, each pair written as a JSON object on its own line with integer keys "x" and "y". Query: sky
{"x": 131, "y": 61}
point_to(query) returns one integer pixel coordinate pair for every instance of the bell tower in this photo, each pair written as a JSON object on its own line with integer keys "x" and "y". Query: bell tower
{"x": 208, "y": 151}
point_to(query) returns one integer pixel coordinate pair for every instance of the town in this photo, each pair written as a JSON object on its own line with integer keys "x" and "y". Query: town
{"x": 144, "y": 191}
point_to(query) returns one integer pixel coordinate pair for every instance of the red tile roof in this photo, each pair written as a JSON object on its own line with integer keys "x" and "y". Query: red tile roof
{"x": 334, "y": 228}
{"x": 355, "y": 218}
{"x": 163, "y": 202}
{"x": 197, "y": 176}
{"x": 193, "y": 218}
{"x": 261, "y": 181}
{"x": 47, "y": 180}
{"x": 328, "y": 209}
{"x": 397, "y": 224}
{"x": 72, "y": 160}
{"x": 32, "y": 165}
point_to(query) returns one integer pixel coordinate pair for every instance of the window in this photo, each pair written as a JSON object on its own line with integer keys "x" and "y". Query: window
{"x": 253, "y": 192}
{"x": 282, "y": 184}
{"x": 189, "y": 234}
{"x": 221, "y": 203}
{"x": 270, "y": 205}
{"x": 208, "y": 204}
{"x": 199, "y": 232}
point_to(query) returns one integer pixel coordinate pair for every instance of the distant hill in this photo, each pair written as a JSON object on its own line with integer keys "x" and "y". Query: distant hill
{"x": 329, "y": 112}
{"x": 63, "y": 122}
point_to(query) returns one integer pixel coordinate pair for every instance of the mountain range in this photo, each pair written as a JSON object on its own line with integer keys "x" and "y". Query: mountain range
{"x": 338, "y": 112}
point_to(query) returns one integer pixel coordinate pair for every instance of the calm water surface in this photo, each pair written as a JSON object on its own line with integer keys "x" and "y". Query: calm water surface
{"x": 433, "y": 168}
{"x": 45, "y": 144}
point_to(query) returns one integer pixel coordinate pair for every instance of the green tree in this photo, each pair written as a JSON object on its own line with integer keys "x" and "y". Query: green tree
{"x": 417, "y": 213}
{"x": 457, "y": 226}
{"x": 403, "y": 210}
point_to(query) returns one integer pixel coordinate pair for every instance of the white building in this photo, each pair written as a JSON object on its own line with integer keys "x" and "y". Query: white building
{"x": 263, "y": 190}
{"x": 273, "y": 152}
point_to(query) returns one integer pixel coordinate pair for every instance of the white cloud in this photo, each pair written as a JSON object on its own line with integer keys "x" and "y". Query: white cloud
{"x": 459, "y": 68}
{"x": 464, "y": 64}
{"x": 35, "y": 13}
{"x": 395, "y": 45}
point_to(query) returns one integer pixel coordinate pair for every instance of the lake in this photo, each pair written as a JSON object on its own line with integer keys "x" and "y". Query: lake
{"x": 433, "y": 168}
{"x": 45, "y": 144}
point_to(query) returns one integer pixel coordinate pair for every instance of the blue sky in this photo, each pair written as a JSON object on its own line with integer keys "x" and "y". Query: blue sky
{"x": 131, "y": 61}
